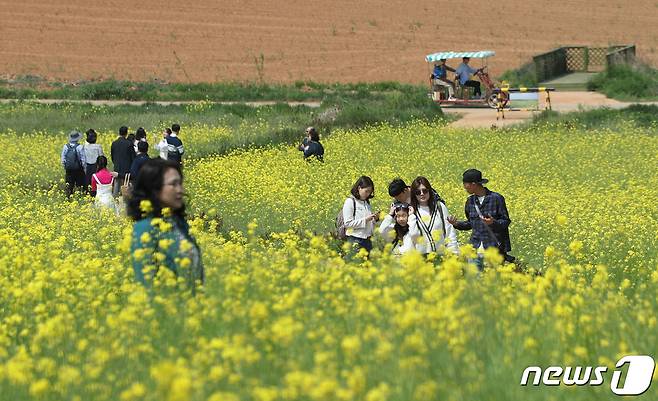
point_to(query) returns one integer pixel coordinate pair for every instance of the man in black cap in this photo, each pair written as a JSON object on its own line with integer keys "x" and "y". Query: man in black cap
{"x": 486, "y": 214}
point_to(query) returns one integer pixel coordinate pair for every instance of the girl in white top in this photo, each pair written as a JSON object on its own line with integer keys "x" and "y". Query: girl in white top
{"x": 140, "y": 136}
{"x": 103, "y": 181}
{"x": 432, "y": 219}
{"x": 358, "y": 218}
{"x": 400, "y": 227}
{"x": 163, "y": 146}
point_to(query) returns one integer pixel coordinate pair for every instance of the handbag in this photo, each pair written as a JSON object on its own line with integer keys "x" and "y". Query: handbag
{"x": 126, "y": 187}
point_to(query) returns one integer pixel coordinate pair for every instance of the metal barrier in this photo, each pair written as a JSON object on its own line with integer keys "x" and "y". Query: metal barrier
{"x": 504, "y": 96}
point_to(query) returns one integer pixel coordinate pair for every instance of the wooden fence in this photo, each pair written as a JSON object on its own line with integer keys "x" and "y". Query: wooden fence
{"x": 580, "y": 59}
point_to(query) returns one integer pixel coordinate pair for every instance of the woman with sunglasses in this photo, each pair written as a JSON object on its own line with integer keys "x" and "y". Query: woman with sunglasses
{"x": 358, "y": 217}
{"x": 436, "y": 232}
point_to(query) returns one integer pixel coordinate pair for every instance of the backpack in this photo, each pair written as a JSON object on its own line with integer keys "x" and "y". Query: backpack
{"x": 71, "y": 158}
{"x": 175, "y": 155}
{"x": 341, "y": 230}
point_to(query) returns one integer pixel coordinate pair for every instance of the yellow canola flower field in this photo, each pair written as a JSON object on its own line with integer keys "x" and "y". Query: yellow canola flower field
{"x": 560, "y": 186}
{"x": 284, "y": 317}
{"x": 34, "y": 158}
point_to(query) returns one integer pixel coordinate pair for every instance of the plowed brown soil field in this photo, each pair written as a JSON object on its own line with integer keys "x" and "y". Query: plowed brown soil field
{"x": 283, "y": 41}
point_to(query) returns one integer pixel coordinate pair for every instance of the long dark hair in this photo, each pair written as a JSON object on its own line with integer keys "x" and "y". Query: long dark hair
{"x": 148, "y": 185}
{"x": 101, "y": 163}
{"x": 363, "y": 182}
{"x": 420, "y": 180}
{"x": 401, "y": 231}
{"x": 140, "y": 133}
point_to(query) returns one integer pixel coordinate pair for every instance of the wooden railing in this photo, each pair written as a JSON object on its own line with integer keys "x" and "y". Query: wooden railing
{"x": 580, "y": 58}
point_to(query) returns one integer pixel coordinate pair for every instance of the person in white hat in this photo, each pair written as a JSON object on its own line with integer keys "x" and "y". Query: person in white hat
{"x": 74, "y": 163}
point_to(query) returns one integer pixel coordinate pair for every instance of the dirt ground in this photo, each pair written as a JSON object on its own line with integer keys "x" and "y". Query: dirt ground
{"x": 277, "y": 41}
{"x": 560, "y": 101}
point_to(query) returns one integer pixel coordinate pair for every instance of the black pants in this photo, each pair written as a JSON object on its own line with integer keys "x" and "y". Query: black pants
{"x": 475, "y": 85}
{"x": 360, "y": 243}
{"x": 91, "y": 170}
{"x": 74, "y": 178}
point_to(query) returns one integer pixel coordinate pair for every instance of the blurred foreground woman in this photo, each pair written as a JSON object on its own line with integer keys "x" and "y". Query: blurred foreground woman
{"x": 161, "y": 237}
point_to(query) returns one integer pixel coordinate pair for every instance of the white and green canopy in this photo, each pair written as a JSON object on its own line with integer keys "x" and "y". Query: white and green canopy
{"x": 431, "y": 58}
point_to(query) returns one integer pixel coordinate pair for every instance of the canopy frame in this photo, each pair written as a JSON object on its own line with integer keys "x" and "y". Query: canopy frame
{"x": 435, "y": 57}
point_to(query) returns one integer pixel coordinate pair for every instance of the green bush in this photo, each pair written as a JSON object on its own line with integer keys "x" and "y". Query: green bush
{"x": 216, "y": 91}
{"x": 637, "y": 115}
{"x": 627, "y": 82}
{"x": 526, "y": 76}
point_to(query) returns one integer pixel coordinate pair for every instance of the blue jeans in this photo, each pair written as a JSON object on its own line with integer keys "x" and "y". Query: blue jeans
{"x": 360, "y": 243}
{"x": 478, "y": 262}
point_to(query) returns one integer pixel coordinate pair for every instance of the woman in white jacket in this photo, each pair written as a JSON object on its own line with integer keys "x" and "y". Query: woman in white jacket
{"x": 400, "y": 227}
{"x": 358, "y": 218}
{"x": 432, "y": 219}
{"x": 163, "y": 147}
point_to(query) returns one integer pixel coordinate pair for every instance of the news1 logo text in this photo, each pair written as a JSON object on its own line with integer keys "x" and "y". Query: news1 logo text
{"x": 639, "y": 374}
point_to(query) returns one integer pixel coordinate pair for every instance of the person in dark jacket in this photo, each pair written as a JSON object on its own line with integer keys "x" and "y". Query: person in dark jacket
{"x": 312, "y": 146}
{"x": 74, "y": 163}
{"x": 486, "y": 214}
{"x": 175, "y": 148}
{"x": 142, "y": 157}
{"x": 122, "y": 154}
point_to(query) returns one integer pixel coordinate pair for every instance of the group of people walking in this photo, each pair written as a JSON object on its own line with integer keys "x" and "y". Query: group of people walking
{"x": 86, "y": 166}
{"x": 418, "y": 218}
{"x": 151, "y": 188}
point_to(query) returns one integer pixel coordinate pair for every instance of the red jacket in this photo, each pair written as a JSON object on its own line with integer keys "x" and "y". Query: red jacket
{"x": 104, "y": 176}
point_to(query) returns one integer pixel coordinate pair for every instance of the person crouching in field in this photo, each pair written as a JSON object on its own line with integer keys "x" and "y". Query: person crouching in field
{"x": 400, "y": 226}
{"x": 311, "y": 145}
{"x": 486, "y": 214}
{"x": 74, "y": 163}
{"x": 161, "y": 237}
{"x": 358, "y": 218}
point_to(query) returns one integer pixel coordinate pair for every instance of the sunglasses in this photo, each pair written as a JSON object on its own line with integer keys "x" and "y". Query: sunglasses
{"x": 400, "y": 205}
{"x": 422, "y": 191}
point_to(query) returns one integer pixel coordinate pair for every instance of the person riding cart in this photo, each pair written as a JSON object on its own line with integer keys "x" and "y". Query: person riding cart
{"x": 458, "y": 93}
{"x": 439, "y": 77}
{"x": 464, "y": 72}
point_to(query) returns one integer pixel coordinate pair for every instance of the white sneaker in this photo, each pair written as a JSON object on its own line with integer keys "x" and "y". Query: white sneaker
{"x": 452, "y": 98}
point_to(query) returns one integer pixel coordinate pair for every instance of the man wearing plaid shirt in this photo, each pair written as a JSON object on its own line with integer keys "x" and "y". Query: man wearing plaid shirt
{"x": 486, "y": 215}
